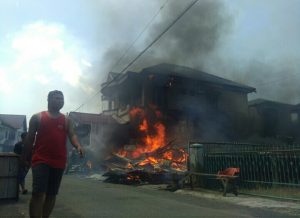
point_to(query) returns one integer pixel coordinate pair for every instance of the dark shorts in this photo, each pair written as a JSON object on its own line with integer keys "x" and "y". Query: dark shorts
{"x": 46, "y": 179}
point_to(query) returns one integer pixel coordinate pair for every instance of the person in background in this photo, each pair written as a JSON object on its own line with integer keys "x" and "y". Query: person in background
{"x": 23, "y": 169}
{"x": 48, "y": 130}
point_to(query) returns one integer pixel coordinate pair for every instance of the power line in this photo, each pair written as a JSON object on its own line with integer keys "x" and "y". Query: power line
{"x": 160, "y": 35}
{"x": 127, "y": 50}
{"x": 152, "y": 43}
{"x": 141, "y": 33}
{"x": 93, "y": 96}
{"x": 155, "y": 40}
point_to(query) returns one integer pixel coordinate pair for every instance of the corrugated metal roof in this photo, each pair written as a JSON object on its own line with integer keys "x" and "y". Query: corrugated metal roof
{"x": 14, "y": 121}
{"x": 182, "y": 71}
{"x": 176, "y": 70}
{"x": 260, "y": 101}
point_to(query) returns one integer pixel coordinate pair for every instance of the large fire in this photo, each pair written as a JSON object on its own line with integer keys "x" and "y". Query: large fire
{"x": 150, "y": 144}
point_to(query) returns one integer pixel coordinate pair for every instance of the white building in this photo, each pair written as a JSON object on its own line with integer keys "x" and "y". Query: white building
{"x": 11, "y": 128}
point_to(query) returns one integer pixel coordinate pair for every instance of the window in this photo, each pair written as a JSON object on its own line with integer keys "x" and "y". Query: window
{"x": 2, "y": 133}
{"x": 294, "y": 117}
{"x": 12, "y": 135}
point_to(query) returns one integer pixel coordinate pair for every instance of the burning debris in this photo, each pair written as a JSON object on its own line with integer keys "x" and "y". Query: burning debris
{"x": 149, "y": 158}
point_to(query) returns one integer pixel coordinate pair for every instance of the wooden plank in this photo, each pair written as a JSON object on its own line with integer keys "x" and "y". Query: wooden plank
{"x": 209, "y": 174}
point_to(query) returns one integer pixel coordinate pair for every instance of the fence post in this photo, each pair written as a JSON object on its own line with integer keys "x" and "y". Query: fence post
{"x": 196, "y": 160}
{"x": 274, "y": 169}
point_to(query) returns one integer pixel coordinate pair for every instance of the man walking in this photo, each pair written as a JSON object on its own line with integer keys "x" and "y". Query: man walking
{"x": 48, "y": 130}
{"x": 19, "y": 149}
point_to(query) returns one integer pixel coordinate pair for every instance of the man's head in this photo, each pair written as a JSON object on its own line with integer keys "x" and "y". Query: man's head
{"x": 55, "y": 100}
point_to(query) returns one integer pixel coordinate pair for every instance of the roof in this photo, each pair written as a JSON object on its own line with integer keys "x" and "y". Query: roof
{"x": 260, "y": 101}
{"x": 296, "y": 108}
{"x": 116, "y": 78}
{"x": 182, "y": 71}
{"x": 87, "y": 118}
{"x": 112, "y": 76}
{"x": 14, "y": 121}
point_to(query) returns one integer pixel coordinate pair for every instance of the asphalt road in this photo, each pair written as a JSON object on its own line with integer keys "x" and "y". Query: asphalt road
{"x": 81, "y": 197}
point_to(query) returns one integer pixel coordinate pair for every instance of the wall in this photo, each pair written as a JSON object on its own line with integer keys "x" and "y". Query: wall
{"x": 235, "y": 106}
{"x": 272, "y": 120}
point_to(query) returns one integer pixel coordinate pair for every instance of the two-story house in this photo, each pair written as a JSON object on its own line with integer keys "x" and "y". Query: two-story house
{"x": 196, "y": 105}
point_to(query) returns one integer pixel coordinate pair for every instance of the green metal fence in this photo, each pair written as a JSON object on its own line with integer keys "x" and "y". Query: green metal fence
{"x": 262, "y": 167}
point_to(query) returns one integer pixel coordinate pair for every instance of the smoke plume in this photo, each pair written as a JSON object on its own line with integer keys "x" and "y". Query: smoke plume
{"x": 188, "y": 42}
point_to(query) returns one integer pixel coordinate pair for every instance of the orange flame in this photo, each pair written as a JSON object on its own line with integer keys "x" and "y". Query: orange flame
{"x": 144, "y": 125}
{"x": 153, "y": 137}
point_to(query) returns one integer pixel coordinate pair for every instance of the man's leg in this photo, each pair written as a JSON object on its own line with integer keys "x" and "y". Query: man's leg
{"x": 36, "y": 205}
{"x": 22, "y": 184}
{"x": 55, "y": 177}
{"x": 40, "y": 177}
{"x": 25, "y": 171}
{"x": 48, "y": 205}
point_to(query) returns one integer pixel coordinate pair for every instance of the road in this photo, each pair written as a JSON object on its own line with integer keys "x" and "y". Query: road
{"x": 82, "y": 197}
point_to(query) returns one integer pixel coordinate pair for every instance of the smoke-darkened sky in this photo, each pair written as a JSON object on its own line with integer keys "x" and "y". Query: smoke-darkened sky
{"x": 71, "y": 46}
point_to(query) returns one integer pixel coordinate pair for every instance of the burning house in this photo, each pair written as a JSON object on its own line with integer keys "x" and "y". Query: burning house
{"x": 165, "y": 106}
{"x": 194, "y": 104}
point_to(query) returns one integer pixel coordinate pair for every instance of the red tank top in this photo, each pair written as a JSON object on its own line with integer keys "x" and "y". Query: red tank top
{"x": 50, "y": 142}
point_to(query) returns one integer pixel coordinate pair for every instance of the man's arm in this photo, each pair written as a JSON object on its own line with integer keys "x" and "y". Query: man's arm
{"x": 33, "y": 127}
{"x": 73, "y": 137}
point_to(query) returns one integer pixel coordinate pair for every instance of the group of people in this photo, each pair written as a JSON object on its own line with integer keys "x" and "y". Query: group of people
{"x": 43, "y": 148}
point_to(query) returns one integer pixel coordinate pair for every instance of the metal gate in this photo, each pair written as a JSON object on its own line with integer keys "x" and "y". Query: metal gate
{"x": 262, "y": 167}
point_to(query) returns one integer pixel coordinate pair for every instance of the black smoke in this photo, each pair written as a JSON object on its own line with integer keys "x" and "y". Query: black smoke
{"x": 189, "y": 42}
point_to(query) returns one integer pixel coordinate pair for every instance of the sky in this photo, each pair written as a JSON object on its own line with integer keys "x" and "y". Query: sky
{"x": 72, "y": 45}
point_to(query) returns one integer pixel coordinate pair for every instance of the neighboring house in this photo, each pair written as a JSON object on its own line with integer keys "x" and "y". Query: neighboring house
{"x": 11, "y": 128}
{"x": 196, "y": 105}
{"x": 272, "y": 119}
{"x": 94, "y": 131}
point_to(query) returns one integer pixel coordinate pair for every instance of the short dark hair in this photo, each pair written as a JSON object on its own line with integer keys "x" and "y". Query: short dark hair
{"x": 54, "y": 92}
{"x": 23, "y": 135}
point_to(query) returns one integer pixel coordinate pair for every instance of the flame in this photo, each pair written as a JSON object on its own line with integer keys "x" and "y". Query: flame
{"x": 149, "y": 160}
{"x": 144, "y": 125}
{"x": 152, "y": 137}
{"x": 133, "y": 178}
